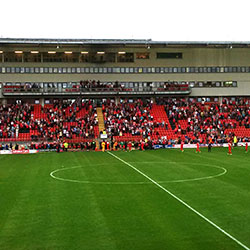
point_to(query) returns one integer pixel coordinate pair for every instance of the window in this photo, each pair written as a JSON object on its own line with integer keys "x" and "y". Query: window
{"x": 230, "y": 84}
{"x": 183, "y": 70}
{"x": 168, "y": 55}
{"x": 31, "y": 57}
{"x": 127, "y": 57}
{"x": 13, "y": 57}
{"x": 142, "y": 55}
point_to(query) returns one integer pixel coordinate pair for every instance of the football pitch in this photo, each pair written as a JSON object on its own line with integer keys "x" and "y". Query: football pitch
{"x": 151, "y": 200}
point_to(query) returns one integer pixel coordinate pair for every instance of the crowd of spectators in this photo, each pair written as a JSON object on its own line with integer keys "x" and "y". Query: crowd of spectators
{"x": 88, "y": 84}
{"x": 130, "y": 118}
{"x": 55, "y": 121}
{"x": 191, "y": 121}
{"x": 206, "y": 120}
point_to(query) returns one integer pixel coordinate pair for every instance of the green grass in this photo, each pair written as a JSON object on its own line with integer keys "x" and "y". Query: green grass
{"x": 104, "y": 204}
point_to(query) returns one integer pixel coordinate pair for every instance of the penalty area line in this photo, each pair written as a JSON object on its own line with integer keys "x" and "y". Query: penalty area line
{"x": 181, "y": 201}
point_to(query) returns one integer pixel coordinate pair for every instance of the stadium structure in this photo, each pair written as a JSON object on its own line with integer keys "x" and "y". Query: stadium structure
{"x": 39, "y": 72}
{"x": 87, "y": 95}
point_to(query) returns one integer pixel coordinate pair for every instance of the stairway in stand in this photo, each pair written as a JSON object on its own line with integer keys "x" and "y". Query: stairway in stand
{"x": 101, "y": 124}
{"x": 100, "y": 119}
{"x": 160, "y": 115}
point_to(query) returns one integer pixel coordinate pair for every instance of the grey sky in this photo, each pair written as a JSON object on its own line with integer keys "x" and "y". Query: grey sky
{"x": 191, "y": 20}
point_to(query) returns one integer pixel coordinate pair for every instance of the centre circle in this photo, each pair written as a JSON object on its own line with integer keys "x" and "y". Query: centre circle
{"x": 99, "y": 173}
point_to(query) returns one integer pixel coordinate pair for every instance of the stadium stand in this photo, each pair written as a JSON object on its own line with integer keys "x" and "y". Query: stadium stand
{"x": 71, "y": 121}
{"x": 169, "y": 119}
{"x": 139, "y": 90}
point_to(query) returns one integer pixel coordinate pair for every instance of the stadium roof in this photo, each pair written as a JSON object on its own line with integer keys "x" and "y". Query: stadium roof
{"x": 44, "y": 41}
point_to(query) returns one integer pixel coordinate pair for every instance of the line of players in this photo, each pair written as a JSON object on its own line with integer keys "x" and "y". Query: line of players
{"x": 123, "y": 146}
{"x": 210, "y": 146}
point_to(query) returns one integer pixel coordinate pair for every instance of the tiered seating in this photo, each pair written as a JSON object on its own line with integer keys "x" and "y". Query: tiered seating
{"x": 194, "y": 120}
{"x": 51, "y": 122}
{"x": 160, "y": 116}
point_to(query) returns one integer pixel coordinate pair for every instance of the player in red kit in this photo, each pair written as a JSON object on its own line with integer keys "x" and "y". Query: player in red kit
{"x": 229, "y": 148}
{"x": 142, "y": 145}
{"x": 246, "y": 147}
{"x": 130, "y": 146}
{"x": 107, "y": 145}
{"x": 182, "y": 144}
{"x": 198, "y": 148}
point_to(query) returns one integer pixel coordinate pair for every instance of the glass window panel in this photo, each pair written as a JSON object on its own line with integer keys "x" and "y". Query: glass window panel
{"x": 234, "y": 84}
{"x": 191, "y": 69}
{"x": 131, "y": 70}
{"x": 50, "y": 70}
{"x": 178, "y": 70}
{"x": 143, "y": 55}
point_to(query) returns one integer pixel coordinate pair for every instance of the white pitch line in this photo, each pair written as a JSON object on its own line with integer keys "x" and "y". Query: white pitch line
{"x": 181, "y": 201}
{"x": 52, "y": 174}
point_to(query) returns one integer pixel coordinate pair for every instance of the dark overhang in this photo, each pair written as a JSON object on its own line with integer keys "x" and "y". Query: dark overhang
{"x": 122, "y": 42}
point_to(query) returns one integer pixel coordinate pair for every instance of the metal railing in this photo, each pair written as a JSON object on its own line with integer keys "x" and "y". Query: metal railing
{"x": 22, "y": 90}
